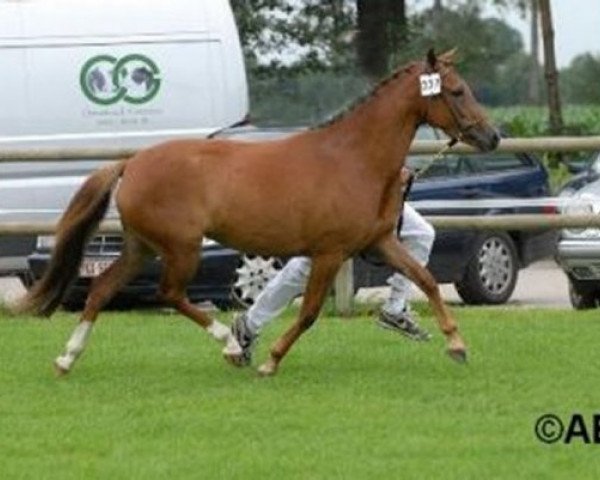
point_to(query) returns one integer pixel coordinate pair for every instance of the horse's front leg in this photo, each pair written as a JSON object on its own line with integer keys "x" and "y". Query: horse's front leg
{"x": 397, "y": 256}
{"x": 322, "y": 274}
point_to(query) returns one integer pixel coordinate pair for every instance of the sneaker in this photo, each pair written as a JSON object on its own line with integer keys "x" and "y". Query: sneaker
{"x": 245, "y": 338}
{"x": 403, "y": 323}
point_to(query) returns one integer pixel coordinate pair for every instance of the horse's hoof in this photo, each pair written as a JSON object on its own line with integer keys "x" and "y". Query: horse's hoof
{"x": 459, "y": 355}
{"x": 267, "y": 369}
{"x": 59, "y": 370}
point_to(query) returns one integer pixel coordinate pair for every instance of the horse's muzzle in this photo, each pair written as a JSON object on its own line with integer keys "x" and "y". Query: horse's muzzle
{"x": 485, "y": 139}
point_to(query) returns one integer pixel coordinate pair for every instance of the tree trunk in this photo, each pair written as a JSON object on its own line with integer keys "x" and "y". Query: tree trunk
{"x": 533, "y": 92}
{"x": 381, "y": 32}
{"x": 551, "y": 73}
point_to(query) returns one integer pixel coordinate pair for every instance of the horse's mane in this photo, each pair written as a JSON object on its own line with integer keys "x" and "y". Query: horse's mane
{"x": 366, "y": 97}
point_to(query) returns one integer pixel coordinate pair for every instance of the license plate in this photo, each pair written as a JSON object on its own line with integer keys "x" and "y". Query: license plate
{"x": 92, "y": 268}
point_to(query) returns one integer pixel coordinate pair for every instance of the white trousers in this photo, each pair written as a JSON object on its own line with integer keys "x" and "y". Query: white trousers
{"x": 416, "y": 234}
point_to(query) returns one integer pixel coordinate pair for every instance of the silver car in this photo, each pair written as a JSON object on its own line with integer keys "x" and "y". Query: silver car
{"x": 578, "y": 251}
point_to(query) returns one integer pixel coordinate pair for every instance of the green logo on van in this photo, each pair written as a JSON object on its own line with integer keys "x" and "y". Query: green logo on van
{"x": 106, "y": 80}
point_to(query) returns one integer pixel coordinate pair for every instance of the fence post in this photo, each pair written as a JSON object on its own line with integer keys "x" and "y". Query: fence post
{"x": 344, "y": 289}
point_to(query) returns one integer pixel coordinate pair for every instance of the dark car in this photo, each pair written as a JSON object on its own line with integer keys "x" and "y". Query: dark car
{"x": 484, "y": 266}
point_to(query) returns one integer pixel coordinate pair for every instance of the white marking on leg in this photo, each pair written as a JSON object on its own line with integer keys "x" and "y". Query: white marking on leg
{"x": 218, "y": 330}
{"x": 223, "y": 334}
{"x": 75, "y": 345}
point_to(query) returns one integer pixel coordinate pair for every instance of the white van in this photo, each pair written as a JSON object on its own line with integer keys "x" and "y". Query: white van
{"x": 105, "y": 73}
{"x": 121, "y": 73}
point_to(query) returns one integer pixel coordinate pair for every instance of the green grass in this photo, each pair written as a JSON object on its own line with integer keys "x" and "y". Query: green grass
{"x": 151, "y": 398}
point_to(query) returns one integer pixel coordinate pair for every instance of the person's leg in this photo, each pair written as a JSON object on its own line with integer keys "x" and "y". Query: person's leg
{"x": 418, "y": 236}
{"x": 289, "y": 283}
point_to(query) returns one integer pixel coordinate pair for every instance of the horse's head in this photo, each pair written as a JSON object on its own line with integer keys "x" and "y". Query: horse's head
{"x": 451, "y": 106}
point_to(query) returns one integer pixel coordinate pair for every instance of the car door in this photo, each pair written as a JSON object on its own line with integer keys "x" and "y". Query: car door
{"x": 447, "y": 178}
{"x": 506, "y": 175}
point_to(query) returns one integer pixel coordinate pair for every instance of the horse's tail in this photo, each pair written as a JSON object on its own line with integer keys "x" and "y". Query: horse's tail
{"x": 80, "y": 220}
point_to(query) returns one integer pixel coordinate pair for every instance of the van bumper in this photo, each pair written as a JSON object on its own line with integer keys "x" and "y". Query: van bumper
{"x": 213, "y": 280}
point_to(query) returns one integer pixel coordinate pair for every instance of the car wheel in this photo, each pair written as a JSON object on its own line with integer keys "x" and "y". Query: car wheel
{"x": 582, "y": 298}
{"x": 251, "y": 277}
{"x": 491, "y": 275}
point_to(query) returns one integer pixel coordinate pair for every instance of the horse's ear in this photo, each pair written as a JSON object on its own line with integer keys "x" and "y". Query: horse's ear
{"x": 431, "y": 58}
{"x": 449, "y": 56}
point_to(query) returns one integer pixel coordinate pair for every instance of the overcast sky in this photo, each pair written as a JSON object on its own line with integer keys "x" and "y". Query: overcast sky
{"x": 576, "y": 27}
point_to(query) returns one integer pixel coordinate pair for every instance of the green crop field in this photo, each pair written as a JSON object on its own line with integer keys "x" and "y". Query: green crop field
{"x": 151, "y": 398}
{"x": 527, "y": 121}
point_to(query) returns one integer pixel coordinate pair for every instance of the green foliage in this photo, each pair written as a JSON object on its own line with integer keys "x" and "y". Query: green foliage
{"x": 533, "y": 121}
{"x": 295, "y": 98}
{"x": 521, "y": 5}
{"x": 152, "y": 398}
{"x": 301, "y": 36}
{"x": 302, "y": 64}
{"x": 487, "y": 48}
{"x": 580, "y": 81}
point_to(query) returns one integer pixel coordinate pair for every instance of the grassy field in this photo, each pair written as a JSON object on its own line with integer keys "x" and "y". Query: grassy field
{"x": 152, "y": 398}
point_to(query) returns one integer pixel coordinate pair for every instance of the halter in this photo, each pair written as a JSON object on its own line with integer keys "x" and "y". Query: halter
{"x": 461, "y": 126}
{"x": 451, "y": 142}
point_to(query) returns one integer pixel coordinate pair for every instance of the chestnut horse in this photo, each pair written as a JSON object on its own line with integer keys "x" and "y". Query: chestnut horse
{"x": 327, "y": 193}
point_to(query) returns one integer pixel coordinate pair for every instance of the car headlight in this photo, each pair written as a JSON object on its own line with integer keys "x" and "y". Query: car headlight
{"x": 582, "y": 205}
{"x": 45, "y": 242}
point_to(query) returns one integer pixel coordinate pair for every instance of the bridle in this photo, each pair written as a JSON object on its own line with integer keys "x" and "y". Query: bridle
{"x": 462, "y": 126}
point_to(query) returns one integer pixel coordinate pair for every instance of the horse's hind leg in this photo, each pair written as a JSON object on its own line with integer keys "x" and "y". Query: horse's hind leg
{"x": 397, "y": 256}
{"x": 322, "y": 274}
{"x": 102, "y": 290}
{"x": 179, "y": 265}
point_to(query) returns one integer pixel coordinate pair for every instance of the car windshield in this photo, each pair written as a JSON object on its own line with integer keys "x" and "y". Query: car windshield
{"x": 417, "y": 162}
{"x": 595, "y": 162}
{"x": 592, "y": 188}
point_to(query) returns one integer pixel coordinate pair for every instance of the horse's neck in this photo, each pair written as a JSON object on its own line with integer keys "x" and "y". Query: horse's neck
{"x": 379, "y": 131}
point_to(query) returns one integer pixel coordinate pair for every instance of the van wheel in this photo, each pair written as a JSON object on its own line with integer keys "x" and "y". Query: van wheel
{"x": 491, "y": 274}
{"x": 27, "y": 279}
{"x": 73, "y": 305}
{"x": 224, "y": 304}
{"x": 251, "y": 277}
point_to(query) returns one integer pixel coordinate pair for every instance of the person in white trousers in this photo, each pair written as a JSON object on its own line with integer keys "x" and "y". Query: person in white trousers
{"x": 416, "y": 234}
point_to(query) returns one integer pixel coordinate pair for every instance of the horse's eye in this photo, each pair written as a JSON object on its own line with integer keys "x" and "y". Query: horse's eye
{"x": 458, "y": 92}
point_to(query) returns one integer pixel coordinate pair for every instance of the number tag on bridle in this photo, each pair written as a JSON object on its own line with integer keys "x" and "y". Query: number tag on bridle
{"x": 431, "y": 84}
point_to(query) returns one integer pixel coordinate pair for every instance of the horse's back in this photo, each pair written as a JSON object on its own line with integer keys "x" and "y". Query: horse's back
{"x": 276, "y": 197}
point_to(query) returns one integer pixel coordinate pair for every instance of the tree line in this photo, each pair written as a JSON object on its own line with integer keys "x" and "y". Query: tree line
{"x": 307, "y": 58}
